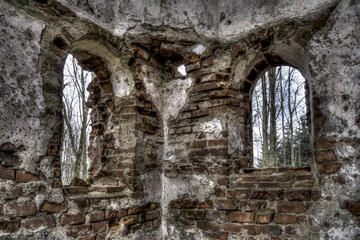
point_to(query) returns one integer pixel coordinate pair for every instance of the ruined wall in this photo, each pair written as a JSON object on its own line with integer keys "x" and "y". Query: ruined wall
{"x": 171, "y": 155}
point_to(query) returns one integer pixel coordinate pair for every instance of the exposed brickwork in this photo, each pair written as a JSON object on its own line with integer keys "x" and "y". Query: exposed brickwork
{"x": 256, "y": 209}
{"x": 127, "y": 142}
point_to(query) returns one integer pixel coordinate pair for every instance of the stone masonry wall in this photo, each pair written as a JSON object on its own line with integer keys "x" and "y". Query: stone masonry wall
{"x": 171, "y": 155}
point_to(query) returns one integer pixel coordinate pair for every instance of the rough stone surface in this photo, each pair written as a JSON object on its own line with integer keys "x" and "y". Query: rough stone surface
{"x": 171, "y": 152}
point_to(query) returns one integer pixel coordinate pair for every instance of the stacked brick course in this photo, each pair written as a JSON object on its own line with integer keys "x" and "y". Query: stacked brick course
{"x": 258, "y": 203}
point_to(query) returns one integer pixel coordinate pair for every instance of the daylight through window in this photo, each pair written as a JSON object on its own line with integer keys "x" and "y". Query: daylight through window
{"x": 76, "y": 122}
{"x": 280, "y": 131}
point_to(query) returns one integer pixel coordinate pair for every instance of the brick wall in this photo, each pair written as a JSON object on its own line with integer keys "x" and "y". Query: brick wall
{"x": 211, "y": 138}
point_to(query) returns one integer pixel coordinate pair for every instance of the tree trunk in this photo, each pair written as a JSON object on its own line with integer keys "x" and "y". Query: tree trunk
{"x": 291, "y": 124}
{"x": 282, "y": 119}
{"x": 273, "y": 139}
{"x": 265, "y": 148}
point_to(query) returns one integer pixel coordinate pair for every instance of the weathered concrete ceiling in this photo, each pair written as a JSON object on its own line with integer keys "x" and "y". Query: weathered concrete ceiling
{"x": 212, "y": 19}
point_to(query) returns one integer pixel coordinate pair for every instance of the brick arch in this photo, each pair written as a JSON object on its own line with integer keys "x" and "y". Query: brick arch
{"x": 113, "y": 102}
{"x": 126, "y": 126}
{"x": 251, "y": 66}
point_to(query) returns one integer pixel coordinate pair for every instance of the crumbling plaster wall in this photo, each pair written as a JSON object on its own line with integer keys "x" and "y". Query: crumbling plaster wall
{"x": 229, "y": 19}
{"x": 22, "y": 102}
{"x": 334, "y": 61}
{"x": 333, "y": 55}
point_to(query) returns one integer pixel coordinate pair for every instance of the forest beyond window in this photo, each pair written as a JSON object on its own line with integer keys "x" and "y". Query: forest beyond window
{"x": 280, "y": 131}
{"x": 76, "y": 122}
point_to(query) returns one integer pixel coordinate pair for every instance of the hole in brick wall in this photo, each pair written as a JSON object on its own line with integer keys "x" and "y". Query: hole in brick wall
{"x": 181, "y": 69}
{"x": 76, "y": 121}
{"x": 60, "y": 43}
{"x": 280, "y": 129}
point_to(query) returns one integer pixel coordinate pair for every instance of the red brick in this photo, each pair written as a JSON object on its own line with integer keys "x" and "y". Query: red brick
{"x": 129, "y": 220}
{"x": 152, "y": 206}
{"x": 87, "y": 238}
{"x": 208, "y": 226}
{"x": 99, "y": 227}
{"x": 37, "y": 222}
{"x": 206, "y": 204}
{"x": 152, "y": 215}
{"x": 193, "y": 214}
{"x": 215, "y": 215}
{"x": 255, "y": 205}
{"x": 268, "y": 195}
{"x": 78, "y": 230}
{"x": 225, "y": 205}
{"x": 290, "y": 230}
{"x": 219, "y": 192}
{"x": 208, "y": 78}
{"x": 53, "y": 207}
{"x": 265, "y": 178}
{"x": 141, "y": 53}
{"x": 252, "y": 229}
{"x": 26, "y": 177}
{"x": 329, "y": 168}
{"x": 231, "y": 227}
{"x": 190, "y": 203}
{"x": 20, "y": 209}
{"x": 291, "y": 207}
{"x": 284, "y": 218}
{"x": 114, "y": 224}
{"x": 316, "y": 196}
{"x": 7, "y": 174}
{"x": 263, "y": 217}
{"x": 238, "y": 194}
{"x": 354, "y": 208}
{"x": 9, "y": 226}
{"x": 272, "y": 230}
{"x": 110, "y": 214}
{"x": 246, "y": 217}
{"x": 217, "y": 235}
{"x": 323, "y": 143}
{"x": 199, "y": 113}
{"x": 96, "y": 215}
{"x": 325, "y": 156}
{"x": 299, "y": 195}
{"x": 121, "y": 213}
{"x": 206, "y": 87}
{"x": 304, "y": 183}
{"x": 268, "y": 184}
{"x": 17, "y": 192}
{"x": 176, "y": 204}
{"x": 72, "y": 219}
{"x": 199, "y": 144}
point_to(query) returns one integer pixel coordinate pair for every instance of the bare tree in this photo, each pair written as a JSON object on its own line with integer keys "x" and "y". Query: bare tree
{"x": 279, "y": 95}
{"x": 76, "y": 126}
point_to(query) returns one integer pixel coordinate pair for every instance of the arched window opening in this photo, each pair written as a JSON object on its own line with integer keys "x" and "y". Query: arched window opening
{"x": 280, "y": 130}
{"x": 76, "y": 121}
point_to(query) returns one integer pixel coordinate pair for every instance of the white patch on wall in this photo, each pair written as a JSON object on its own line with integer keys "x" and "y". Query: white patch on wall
{"x": 214, "y": 126}
{"x": 182, "y": 69}
{"x": 235, "y": 141}
{"x": 168, "y": 100}
{"x": 198, "y": 49}
{"x": 350, "y": 231}
{"x": 196, "y": 185}
{"x": 344, "y": 150}
{"x": 122, "y": 85}
{"x": 47, "y": 168}
{"x": 351, "y": 173}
